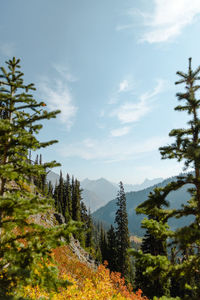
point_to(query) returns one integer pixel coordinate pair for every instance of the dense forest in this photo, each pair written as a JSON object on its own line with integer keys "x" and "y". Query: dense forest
{"x": 167, "y": 264}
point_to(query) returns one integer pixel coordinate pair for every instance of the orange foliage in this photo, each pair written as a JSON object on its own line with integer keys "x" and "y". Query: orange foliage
{"x": 87, "y": 283}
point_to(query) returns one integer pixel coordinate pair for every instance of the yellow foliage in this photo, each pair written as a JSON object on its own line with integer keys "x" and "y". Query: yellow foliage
{"x": 101, "y": 286}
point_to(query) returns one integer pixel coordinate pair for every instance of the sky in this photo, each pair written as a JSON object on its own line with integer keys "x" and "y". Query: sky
{"x": 110, "y": 67}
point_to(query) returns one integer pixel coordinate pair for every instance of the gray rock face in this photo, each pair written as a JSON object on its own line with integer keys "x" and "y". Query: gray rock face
{"x": 82, "y": 255}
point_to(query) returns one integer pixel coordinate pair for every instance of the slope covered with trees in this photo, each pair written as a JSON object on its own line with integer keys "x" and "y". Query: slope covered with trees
{"x": 24, "y": 246}
{"x": 176, "y": 199}
{"x": 35, "y": 260}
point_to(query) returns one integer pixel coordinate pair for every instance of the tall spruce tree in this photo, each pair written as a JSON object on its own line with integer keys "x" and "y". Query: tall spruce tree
{"x": 153, "y": 244}
{"x": 103, "y": 244}
{"x": 182, "y": 268}
{"x": 24, "y": 246}
{"x": 112, "y": 249}
{"x": 68, "y": 195}
{"x": 89, "y": 232}
{"x": 122, "y": 233}
{"x": 186, "y": 148}
{"x": 76, "y": 200}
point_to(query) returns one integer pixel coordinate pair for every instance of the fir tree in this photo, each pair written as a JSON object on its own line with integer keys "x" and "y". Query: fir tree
{"x": 153, "y": 244}
{"x": 183, "y": 266}
{"x": 24, "y": 246}
{"x": 68, "y": 195}
{"x": 88, "y": 239}
{"x": 186, "y": 148}
{"x": 122, "y": 233}
{"x": 50, "y": 190}
{"x": 112, "y": 249}
{"x": 103, "y": 245}
{"x": 76, "y": 199}
{"x": 43, "y": 183}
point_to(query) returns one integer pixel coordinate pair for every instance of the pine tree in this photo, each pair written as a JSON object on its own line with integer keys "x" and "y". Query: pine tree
{"x": 186, "y": 148}
{"x": 183, "y": 266}
{"x": 43, "y": 183}
{"x": 68, "y": 195}
{"x": 24, "y": 246}
{"x": 89, "y": 233}
{"x": 112, "y": 249}
{"x": 50, "y": 190}
{"x": 76, "y": 199}
{"x": 153, "y": 244}
{"x": 103, "y": 244}
{"x": 122, "y": 233}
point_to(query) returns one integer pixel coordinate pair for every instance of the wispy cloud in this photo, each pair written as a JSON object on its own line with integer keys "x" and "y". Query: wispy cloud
{"x": 169, "y": 19}
{"x": 125, "y": 85}
{"x": 58, "y": 96}
{"x": 131, "y": 112}
{"x": 7, "y": 48}
{"x": 120, "y": 131}
{"x": 64, "y": 73}
{"x": 123, "y": 27}
{"x": 110, "y": 150}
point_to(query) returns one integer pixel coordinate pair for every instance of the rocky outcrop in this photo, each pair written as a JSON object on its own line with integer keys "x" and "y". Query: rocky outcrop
{"x": 53, "y": 218}
{"x": 82, "y": 255}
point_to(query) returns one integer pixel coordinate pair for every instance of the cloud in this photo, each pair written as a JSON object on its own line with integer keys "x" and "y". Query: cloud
{"x": 110, "y": 150}
{"x": 161, "y": 84}
{"x": 123, "y": 27}
{"x": 58, "y": 96}
{"x": 169, "y": 18}
{"x": 126, "y": 85}
{"x": 131, "y": 112}
{"x": 120, "y": 131}
{"x": 7, "y": 49}
{"x": 64, "y": 72}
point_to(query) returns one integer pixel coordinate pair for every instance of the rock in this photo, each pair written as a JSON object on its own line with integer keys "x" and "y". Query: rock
{"x": 82, "y": 255}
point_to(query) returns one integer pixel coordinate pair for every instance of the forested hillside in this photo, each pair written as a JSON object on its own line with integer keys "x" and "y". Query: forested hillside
{"x": 39, "y": 220}
{"x": 175, "y": 198}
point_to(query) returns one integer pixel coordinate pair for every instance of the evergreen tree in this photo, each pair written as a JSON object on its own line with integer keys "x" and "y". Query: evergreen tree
{"x": 186, "y": 148}
{"x": 103, "y": 245}
{"x": 88, "y": 239}
{"x": 76, "y": 199}
{"x": 50, "y": 190}
{"x": 83, "y": 213}
{"x": 68, "y": 195}
{"x": 122, "y": 233}
{"x": 112, "y": 249}
{"x": 56, "y": 198}
{"x": 153, "y": 244}
{"x": 62, "y": 196}
{"x": 183, "y": 266}
{"x": 43, "y": 183}
{"x": 24, "y": 246}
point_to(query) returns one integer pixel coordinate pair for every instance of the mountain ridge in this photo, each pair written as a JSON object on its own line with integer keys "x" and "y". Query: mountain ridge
{"x": 176, "y": 199}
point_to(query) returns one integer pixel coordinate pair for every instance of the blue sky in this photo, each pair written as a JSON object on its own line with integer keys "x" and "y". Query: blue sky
{"x": 110, "y": 66}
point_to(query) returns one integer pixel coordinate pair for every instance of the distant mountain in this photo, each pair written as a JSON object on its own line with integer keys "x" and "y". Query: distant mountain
{"x": 91, "y": 200}
{"x": 53, "y": 177}
{"x": 138, "y": 187}
{"x": 97, "y": 193}
{"x": 176, "y": 199}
